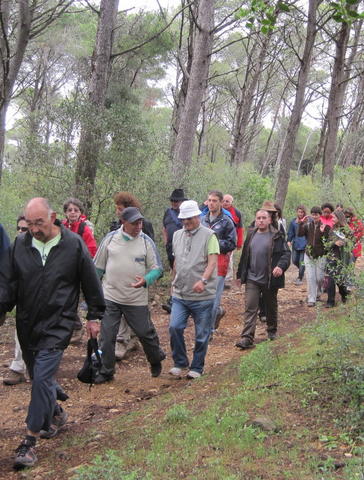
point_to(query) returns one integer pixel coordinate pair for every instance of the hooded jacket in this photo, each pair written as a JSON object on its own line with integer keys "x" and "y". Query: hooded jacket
{"x": 280, "y": 256}
{"x": 46, "y": 297}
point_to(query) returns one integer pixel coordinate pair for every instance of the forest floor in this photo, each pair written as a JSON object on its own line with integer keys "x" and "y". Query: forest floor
{"x": 133, "y": 384}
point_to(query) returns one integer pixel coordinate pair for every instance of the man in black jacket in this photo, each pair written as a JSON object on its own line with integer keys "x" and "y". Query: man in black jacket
{"x": 264, "y": 260}
{"x": 41, "y": 276}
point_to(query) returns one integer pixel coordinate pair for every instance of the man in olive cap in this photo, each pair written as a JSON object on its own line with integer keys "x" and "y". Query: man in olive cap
{"x": 130, "y": 251}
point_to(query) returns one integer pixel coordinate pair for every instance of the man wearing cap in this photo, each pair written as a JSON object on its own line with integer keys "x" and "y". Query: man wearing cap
{"x": 264, "y": 260}
{"x": 223, "y": 227}
{"x": 171, "y": 223}
{"x": 195, "y": 249}
{"x": 128, "y": 262}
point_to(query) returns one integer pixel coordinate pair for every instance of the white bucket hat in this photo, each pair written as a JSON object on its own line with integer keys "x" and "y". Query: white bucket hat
{"x": 188, "y": 209}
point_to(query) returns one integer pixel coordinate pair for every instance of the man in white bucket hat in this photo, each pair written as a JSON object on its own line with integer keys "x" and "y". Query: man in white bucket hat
{"x": 195, "y": 250}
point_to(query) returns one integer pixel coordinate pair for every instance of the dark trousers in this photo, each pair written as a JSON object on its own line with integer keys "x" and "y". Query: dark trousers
{"x": 298, "y": 260}
{"x": 42, "y": 367}
{"x": 331, "y": 290}
{"x": 138, "y": 318}
{"x": 253, "y": 291}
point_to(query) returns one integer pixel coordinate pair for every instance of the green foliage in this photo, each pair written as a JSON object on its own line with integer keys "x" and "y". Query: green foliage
{"x": 109, "y": 466}
{"x": 177, "y": 414}
{"x": 344, "y": 12}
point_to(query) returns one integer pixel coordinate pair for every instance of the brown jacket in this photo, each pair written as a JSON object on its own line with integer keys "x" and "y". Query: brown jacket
{"x": 316, "y": 240}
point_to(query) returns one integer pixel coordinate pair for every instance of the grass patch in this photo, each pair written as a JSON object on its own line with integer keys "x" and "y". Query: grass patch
{"x": 311, "y": 389}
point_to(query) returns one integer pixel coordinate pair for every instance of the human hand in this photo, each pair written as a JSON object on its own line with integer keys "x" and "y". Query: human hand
{"x": 198, "y": 287}
{"x": 277, "y": 272}
{"x": 93, "y": 328}
{"x": 339, "y": 243}
{"x": 140, "y": 282}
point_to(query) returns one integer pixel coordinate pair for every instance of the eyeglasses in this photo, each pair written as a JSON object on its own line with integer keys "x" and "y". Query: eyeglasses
{"x": 23, "y": 229}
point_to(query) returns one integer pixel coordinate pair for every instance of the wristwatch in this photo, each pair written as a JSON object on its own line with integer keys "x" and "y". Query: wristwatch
{"x": 204, "y": 281}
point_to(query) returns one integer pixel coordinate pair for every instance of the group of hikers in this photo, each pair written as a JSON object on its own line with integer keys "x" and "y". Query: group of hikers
{"x": 51, "y": 261}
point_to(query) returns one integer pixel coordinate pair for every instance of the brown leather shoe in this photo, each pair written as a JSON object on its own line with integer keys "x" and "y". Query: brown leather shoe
{"x": 14, "y": 378}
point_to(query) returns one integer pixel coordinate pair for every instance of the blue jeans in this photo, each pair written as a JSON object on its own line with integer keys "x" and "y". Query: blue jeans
{"x": 219, "y": 289}
{"x": 298, "y": 260}
{"x": 200, "y": 310}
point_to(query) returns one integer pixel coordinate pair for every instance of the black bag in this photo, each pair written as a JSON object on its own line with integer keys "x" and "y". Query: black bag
{"x": 92, "y": 363}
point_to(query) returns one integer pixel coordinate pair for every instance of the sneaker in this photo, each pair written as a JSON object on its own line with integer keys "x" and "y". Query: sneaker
{"x": 14, "y": 378}
{"x": 272, "y": 336}
{"x": 244, "y": 343}
{"x": 311, "y": 304}
{"x": 329, "y": 305}
{"x": 177, "y": 371}
{"x": 220, "y": 313}
{"x": 263, "y": 318}
{"x": 57, "y": 422}
{"x": 298, "y": 282}
{"x": 120, "y": 350}
{"x": 25, "y": 455}
{"x": 100, "y": 378}
{"x": 227, "y": 286}
{"x": 192, "y": 374}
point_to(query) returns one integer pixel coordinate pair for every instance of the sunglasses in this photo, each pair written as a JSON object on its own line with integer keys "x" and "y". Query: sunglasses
{"x": 23, "y": 229}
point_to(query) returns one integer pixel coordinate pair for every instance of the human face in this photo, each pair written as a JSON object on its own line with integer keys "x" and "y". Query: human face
{"x": 133, "y": 229}
{"x": 300, "y": 213}
{"x": 191, "y": 223}
{"x": 119, "y": 210}
{"x": 214, "y": 204}
{"x": 73, "y": 213}
{"x": 175, "y": 204}
{"x": 40, "y": 222}
{"x": 227, "y": 201}
{"x": 326, "y": 212}
{"x": 262, "y": 220}
{"x": 316, "y": 217}
{"x": 21, "y": 227}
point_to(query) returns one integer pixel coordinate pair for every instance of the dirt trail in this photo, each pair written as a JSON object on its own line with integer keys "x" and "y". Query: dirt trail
{"x": 133, "y": 382}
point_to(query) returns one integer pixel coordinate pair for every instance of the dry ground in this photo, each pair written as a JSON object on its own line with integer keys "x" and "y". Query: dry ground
{"x": 133, "y": 383}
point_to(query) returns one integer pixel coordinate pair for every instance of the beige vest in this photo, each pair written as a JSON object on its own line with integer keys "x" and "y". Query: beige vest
{"x": 190, "y": 254}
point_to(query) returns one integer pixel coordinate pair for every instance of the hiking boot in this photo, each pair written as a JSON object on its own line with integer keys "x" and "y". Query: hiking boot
{"x": 244, "y": 344}
{"x": 220, "y": 313}
{"x": 25, "y": 455}
{"x": 101, "y": 378}
{"x": 14, "y": 378}
{"x": 57, "y": 422}
{"x": 192, "y": 374}
{"x": 156, "y": 369}
{"x": 329, "y": 305}
{"x": 76, "y": 338}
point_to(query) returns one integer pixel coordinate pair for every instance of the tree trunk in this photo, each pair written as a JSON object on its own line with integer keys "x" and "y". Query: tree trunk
{"x": 296, "y": 115}
{"x": 91, "y": 137}
{"x": 245, "y": 101}
{"x": 197, "y": 84}
{"x": 336, "y": 101}
{"x": 11, "y": 60}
